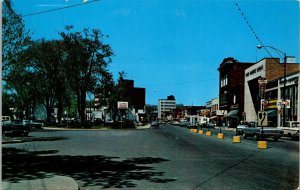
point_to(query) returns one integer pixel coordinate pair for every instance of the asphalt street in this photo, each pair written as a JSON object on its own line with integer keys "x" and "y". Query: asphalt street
{"x": 166, "y": 157}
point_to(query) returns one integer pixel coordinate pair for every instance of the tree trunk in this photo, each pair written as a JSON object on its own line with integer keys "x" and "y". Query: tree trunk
{"x": 59, "y": 107}
{"x": 82, "y": 105}
{"x": 48, "y": 109}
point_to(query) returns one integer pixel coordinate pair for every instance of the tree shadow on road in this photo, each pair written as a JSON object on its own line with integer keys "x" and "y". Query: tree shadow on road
{"x": 96, "y": 170}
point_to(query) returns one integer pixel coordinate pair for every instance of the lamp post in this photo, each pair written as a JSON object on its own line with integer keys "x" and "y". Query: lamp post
{"x": 284, "y": 77}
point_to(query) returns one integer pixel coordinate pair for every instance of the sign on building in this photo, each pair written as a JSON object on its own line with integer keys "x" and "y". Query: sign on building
{"x": 123, "y": 105}
{"x": 287, "y": 104}
{"x": 279, "y": 104}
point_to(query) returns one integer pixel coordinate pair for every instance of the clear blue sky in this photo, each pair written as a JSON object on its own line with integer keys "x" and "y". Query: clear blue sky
{"x": 174, "y": 47}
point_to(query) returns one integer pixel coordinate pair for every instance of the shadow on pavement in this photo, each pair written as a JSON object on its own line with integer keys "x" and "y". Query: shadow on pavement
{"x": 93, "y": 170}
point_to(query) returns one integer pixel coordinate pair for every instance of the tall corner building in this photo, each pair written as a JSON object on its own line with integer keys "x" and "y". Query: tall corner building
{"x": 166, "y": 106}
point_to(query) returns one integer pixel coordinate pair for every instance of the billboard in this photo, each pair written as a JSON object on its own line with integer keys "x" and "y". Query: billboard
{"x": 123, "y": 105}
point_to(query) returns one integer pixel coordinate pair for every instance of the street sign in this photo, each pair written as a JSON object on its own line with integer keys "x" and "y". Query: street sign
{"x": 262, "y": 81}
{"x": 279, "y": 103}
{"x": 287, "y": 104}
{"x": 262, "y": 119}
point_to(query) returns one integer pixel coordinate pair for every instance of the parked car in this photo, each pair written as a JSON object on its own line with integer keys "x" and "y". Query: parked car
{"x": 154, "y": 124}
{"x": 260, "y": 133}
{"x": 211, "y": 125}
{"x": 16, "y": 127}
{"x": 291, "y": 129}
{"x": 33, "y": 124}
{"x": 175, "y": 122}
{"x": 184, "y": 123}
{"x": 239, "y": 128}
{"x": 203, "y": 121}
{"x": 5, "y": 118}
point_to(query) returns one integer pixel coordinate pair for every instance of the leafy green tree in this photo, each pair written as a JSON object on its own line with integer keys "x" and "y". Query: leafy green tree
{"x": 88, "y": 57}
{"x": 21, "y": 87}
{"x": 15, "y": 38}
{"x": 48, "y": 59}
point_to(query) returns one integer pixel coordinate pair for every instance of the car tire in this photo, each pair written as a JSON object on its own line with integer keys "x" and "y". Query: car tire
{"x": 256, "y": 137}
{"x": 276, "y": 139}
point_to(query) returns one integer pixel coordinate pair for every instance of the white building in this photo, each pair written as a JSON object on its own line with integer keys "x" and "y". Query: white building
{"x": 164, "y": 106}
{"x": 271, "y": 71}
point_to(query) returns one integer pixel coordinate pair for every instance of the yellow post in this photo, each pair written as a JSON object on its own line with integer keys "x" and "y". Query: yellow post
{"x": 236, "y": 139}
{"x": 201, "y": 132}
{"x": 208, "y": 133}
{"x": 262, "y": 144}
{"x": 220, "y": 136}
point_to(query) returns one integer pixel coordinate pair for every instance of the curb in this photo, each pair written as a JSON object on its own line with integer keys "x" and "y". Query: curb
{"x": 81, "y": 129}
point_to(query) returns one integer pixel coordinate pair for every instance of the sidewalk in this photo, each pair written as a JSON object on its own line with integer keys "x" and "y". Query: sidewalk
{"x": 144, "y": 126}
{"x": 52, "y": 183}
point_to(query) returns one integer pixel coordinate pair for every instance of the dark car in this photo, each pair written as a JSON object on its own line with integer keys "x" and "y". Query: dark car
{"x": 16, "y": 127}
{"x": 154, "y": 124}
{"x": 184, "y": 123}
{"x": 33, "y": 124}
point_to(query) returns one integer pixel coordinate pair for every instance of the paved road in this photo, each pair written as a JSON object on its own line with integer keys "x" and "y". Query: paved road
{"x": 168, "y": 157}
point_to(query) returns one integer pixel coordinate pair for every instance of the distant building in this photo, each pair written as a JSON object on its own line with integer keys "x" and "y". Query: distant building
{"x": 166, "y": 106}
{"x": 231, "y": 88}
{"x": 136, "y": 98}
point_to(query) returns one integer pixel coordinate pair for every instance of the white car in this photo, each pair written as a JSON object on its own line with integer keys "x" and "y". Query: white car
{"x": 291, "y": 129}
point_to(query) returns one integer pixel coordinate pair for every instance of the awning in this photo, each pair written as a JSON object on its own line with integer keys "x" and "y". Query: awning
{"x": 233, "y": 113}
{"x": 272, "y": 113}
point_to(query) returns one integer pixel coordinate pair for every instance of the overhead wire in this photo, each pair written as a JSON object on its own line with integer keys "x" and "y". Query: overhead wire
{"x": 66, "y": 7}
{"x": 252, "y": 30}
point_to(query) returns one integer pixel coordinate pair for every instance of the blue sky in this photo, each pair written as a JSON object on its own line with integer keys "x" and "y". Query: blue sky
{"x": 174, "y": 47}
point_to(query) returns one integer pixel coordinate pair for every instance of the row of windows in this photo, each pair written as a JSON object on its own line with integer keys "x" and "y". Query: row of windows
{"x": 256, "y": 70}
{"x": 224, "y": 80}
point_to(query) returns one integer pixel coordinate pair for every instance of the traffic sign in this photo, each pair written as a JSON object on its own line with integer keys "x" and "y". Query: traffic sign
{"x": 262, "y": 119}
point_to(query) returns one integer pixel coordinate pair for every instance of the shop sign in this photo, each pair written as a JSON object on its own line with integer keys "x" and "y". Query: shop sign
{"x": 272, "y": 104}
{"x": 123, "y": 105}
{"x": 279, "y": 104}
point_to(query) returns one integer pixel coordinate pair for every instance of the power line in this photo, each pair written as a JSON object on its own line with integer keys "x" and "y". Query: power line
{"x": 252, "y": 30}
{"x": 66, "y": 7}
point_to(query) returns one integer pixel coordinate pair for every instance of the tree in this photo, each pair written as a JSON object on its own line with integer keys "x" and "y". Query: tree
{"x": 14, "y": 38}
{"x": 22, "y": 89}
{"x": 87, "y": 59}
{"x": 48, "y": 59}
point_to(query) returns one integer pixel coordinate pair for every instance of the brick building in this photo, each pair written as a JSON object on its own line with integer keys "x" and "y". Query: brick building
{"x": 273, "y": 72}
{"x": 134, "y": 95}
{"x": 231, "y": 88}
{"x": 136, "y": 98}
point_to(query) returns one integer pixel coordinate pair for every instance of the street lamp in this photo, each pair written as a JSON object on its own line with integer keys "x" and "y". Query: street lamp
{"x": 279, "y": 52}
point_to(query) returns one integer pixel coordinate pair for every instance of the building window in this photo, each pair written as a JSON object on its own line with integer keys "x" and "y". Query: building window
{"x": 224, "y": 80}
